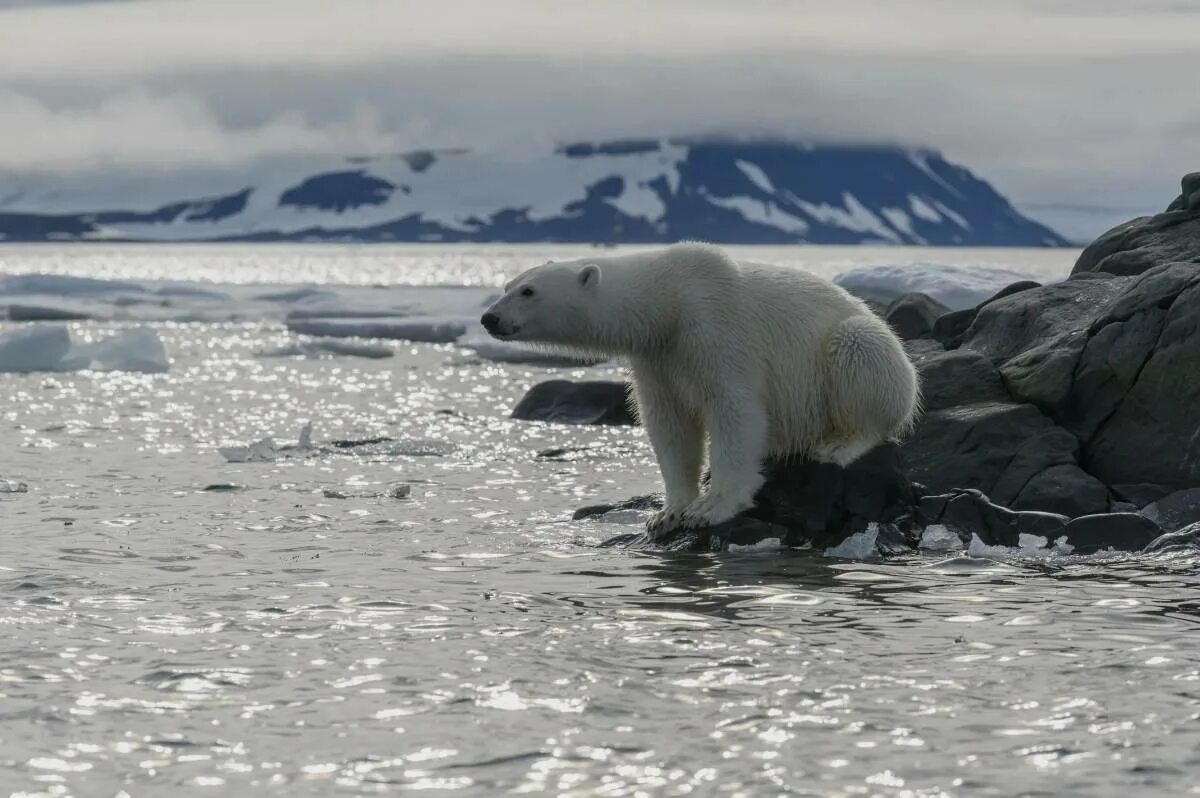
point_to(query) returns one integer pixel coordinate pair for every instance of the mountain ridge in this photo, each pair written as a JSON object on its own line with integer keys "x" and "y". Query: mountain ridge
{"x": 753, "y": 191}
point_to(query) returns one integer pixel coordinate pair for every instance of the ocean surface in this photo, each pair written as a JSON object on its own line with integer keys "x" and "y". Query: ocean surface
{"x": 176, "y": 623}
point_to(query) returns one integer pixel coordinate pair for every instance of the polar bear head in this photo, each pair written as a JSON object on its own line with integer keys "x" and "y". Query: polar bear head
{"x": 549, "y": 304}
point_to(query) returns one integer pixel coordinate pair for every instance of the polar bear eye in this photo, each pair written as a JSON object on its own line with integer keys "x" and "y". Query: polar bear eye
{"x": 526, "y": 291}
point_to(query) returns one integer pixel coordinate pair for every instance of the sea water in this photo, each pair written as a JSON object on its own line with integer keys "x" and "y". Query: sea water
{"x": 420, "y": 613}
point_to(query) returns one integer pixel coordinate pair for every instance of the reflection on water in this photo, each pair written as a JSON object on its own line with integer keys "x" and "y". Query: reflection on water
{"x": 269, "y": 638}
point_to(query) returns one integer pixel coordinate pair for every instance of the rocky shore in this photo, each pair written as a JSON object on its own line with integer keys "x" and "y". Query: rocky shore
{"x": 1067, "y": 412}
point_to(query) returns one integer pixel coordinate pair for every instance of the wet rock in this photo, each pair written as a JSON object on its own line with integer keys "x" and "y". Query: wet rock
{"x": 652, "y": 501}
{"x": 1175, "y": 511}
{"x": 222, "y": 487}
{"x": 356, "y": 442}
{"x": 1143, "y": 243}
{"x": 1120, "y": 531}
{"x": 803, "y": 503}
{"x": 566, "y": 402}
{"x": 1064, "y": 489}
{"x": 993, "y": 447}
{"x": 969, "y": 513}
{"x": 912, "y": 315}
{"x": 400, "y": 490}
{"x": 1179, "y": 540}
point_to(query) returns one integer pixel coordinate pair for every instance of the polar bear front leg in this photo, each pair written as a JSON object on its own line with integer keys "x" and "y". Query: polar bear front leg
{"x": 678, "y": 441}
{"x": 737, "y": 429}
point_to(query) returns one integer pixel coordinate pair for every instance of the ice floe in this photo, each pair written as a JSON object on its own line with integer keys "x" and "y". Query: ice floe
{"x": 50, "y": 347}
{"x": 325, "y": 347}
{"x": 957, "y": 287}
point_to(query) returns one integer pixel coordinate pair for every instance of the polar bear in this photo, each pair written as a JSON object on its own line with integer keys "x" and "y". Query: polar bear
{"x": 759, "y": 360}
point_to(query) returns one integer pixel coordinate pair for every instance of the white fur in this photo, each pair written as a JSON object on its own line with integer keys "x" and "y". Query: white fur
{"x": 760, "y": 360}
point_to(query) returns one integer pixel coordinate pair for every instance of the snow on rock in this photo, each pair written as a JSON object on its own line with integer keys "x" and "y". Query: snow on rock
{"x": 957, "y": 287}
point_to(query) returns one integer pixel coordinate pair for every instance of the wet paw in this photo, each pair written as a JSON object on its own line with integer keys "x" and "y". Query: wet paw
{"x": 712, "y": 509}
{"x": 663, "y": 522}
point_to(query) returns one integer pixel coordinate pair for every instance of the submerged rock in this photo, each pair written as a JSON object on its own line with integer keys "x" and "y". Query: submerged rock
{"x": 566, "y": 402}
{"x": 1175, "y": 511}
{"x": 1120, "y": 531}
{"x": 1179, "y": 540}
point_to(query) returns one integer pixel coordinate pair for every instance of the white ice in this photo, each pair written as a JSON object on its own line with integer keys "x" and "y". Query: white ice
{"x": 937, "y": 537}
{"x": 49, "y": 347}
{"x": 957, "y": 287}
{"x": 859, "y": 546}
{"x": 266, "y": 449}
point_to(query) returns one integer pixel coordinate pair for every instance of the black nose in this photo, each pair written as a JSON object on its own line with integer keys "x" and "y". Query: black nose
{"x": 489, "y": 320}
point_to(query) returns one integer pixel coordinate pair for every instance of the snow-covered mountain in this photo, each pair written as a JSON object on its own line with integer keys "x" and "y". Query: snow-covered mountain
{"x": 627, "y": 191}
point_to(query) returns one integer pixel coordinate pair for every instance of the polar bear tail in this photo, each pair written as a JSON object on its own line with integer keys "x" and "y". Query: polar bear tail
{"x": 871, "y": 389}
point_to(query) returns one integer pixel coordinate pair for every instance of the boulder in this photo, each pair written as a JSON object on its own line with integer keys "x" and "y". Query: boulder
{"x": 1121, "y": 531}
{"x": 1064, "y": 489}
{"x": 1184, "y": 539}
{"x": 912, "y": 315}
{"x": 804, "y": 503}
{"x": 1175, "y": 511}
{"x": 1143, "y": 243}
{"x": 969, "y": 514}
{"x": 566, "y": 402}
{"x": 1112, "y": 361}
{"x": 993, "y": 447}
{"x": 950, "y": 328}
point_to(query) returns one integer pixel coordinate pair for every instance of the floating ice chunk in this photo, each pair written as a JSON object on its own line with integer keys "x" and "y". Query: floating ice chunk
{"x": 266, "y": 449}
{"x": 137, "y": 349}
{"x": 335, "y": 347}
{"x": 766, "y": 545}
{"x": 48, "y": 347}
{"x": 40, "y": 347}
{"x": 63, "y": 285}
{"x": 957, "y": 287}
{"x": 937, "y": 537}
{"x": 859, "y": 546}
{"x": 12, "y": 486}
{"x": 422, "y": 329}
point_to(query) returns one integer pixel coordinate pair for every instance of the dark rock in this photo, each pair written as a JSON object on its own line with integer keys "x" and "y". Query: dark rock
{"x": 803, "y": 503}
{"x": 222, "y": 487}
{"x": 912, "y": 315}
{"x": 1186, "y": 538}
{"x": 1113, "y": 362}
{"x": 1140, "y": 494}
{"x": 950, "y": 328}
{"x": 994, "y": 447}
{"x": 1175, "y": 511}
{"x": 566, "y": 402}
{"x": 354, "y": 443}
{"x": 1121, "y": 531}
{"x": 652, "y": 501}
{"x": 39, "y": 313}
{"x": 1064, "y": 489}
{"x": 957, "y": 377}
{"x": 969, "y": 513}
{"x": 1143, "y": 243}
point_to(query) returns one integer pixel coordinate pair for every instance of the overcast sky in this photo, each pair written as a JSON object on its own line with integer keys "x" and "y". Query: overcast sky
{"x": 1053, "y": 101}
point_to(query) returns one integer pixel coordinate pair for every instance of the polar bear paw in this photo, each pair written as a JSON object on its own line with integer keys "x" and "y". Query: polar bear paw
{"x": 663, "y": 522}
{"x": 714, "y": 508}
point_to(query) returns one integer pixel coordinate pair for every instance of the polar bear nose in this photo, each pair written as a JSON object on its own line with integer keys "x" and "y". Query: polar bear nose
{"x": 489, "y": 320}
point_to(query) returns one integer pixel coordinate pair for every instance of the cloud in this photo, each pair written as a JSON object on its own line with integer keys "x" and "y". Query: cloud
{"x": 1055, "y": 101}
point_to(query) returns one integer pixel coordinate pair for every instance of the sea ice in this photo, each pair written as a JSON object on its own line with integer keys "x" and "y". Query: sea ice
{"x": 421, "y": 329}
{"x": 48, "y": 347}
{"x": 859, "y": 546}
{"x": 266, "y": 449}
{"x": 324, "y": 347}
{"x": 12, "y": 486}
{"x": 957, "y": 287}
{"x": 937, "y": 537}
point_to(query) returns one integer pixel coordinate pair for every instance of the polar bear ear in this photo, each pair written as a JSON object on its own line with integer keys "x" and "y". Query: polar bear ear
{"x": 589, "y": 276}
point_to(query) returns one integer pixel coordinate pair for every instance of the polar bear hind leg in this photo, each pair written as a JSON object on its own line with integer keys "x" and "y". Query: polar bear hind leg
{"x": 871, "y": 390}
